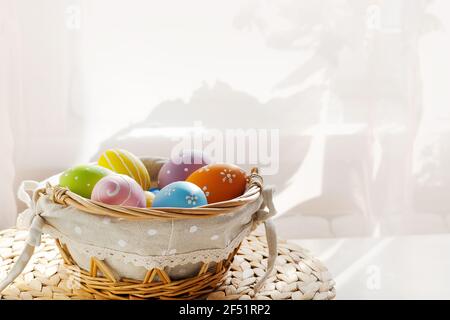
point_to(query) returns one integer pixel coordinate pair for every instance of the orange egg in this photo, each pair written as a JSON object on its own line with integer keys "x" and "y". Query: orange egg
{"x": 219, "y": 182}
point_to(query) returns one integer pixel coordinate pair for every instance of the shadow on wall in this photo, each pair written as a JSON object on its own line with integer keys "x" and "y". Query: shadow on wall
{"x": 221, "y": 108}
{"x": 360, "y": 82}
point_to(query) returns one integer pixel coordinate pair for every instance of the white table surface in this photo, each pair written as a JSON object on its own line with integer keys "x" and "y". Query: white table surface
{"x": 408, "y": 267}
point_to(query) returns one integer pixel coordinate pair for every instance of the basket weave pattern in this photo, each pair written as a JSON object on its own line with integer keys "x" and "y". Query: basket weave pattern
{"x": 156, "y": 284}
{"x": 298, "y": 275}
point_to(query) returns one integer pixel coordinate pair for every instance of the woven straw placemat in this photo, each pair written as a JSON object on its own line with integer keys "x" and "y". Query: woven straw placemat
{"x": 297, "y": 275}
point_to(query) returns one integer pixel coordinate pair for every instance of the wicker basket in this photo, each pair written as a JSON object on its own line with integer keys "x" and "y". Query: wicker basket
{"x": 101, "y": 280}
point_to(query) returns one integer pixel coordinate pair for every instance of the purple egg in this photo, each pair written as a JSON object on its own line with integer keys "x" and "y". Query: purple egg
{"x": 180, "y": 167}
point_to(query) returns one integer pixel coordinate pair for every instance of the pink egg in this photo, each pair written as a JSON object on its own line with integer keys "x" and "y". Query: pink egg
{"x": 118, "y": 189}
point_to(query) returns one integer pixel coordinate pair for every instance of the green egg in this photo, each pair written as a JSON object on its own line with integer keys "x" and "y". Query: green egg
{"x": 82, "y": 179}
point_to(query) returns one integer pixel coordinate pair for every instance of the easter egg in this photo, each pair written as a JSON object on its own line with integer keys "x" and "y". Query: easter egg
{"x": 82, "y": 179}
{"x": 220, "y": 182}
{"x": 179, "y": 167}
{"x": 180, "y": 194}
{"x": 119, "y": 189}
{"x": 149, "y": 197}
{"x": 124, "y": 162}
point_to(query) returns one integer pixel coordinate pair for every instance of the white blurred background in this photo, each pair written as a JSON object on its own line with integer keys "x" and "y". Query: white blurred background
{"x": 358, "y": 89}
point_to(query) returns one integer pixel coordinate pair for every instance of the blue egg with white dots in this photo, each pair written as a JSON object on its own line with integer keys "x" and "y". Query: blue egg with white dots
{"x": 180, "y": 194}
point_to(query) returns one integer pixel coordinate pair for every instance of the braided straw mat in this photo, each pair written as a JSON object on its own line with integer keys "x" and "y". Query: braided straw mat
{"x": 297, "y": 274}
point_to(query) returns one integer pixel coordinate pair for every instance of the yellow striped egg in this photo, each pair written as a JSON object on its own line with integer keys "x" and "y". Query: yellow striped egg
{"x": 124, "y": 162}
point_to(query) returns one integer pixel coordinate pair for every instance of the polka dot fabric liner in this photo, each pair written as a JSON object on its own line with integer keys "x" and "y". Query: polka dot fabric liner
{"x": 132, "y": 248}
{"x": 298, "y": 275}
